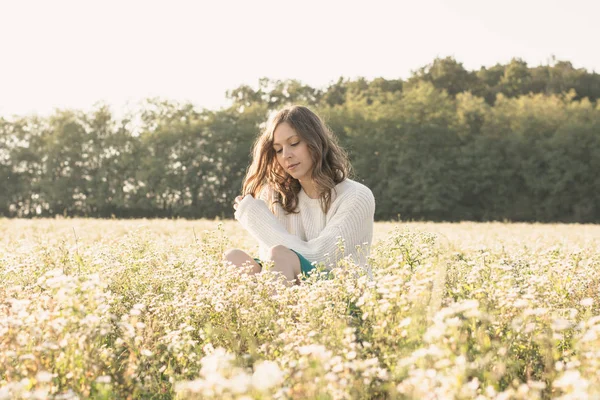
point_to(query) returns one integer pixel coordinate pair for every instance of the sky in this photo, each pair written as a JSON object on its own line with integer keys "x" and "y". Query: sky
{"x": 75, "y": 54}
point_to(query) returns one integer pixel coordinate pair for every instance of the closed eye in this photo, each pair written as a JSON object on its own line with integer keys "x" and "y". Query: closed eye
{"x": 293, "y": 145}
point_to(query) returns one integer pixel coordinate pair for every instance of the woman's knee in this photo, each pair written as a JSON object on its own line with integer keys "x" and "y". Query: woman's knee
{"x": 241, "y": 259}
{"x": 235, "y": 256}
{"x": 279, "y": 251}
{"x": 285, "y": 260}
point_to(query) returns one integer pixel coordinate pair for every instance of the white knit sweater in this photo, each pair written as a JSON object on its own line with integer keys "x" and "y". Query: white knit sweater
{"x": 311, "y": 232}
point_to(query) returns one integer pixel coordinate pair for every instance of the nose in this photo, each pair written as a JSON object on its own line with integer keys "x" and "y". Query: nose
{"x": 286, "y": 151}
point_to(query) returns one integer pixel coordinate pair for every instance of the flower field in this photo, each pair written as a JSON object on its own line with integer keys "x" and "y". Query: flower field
{"x": 147, "y": 309}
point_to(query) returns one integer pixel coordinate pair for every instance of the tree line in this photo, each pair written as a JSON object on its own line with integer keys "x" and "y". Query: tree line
{"x": 509, "y": 142}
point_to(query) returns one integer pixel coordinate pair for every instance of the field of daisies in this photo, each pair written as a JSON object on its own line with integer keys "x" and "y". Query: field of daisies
{"x": 147, "y": 309}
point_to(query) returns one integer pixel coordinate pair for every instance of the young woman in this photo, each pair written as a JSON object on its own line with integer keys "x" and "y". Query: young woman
{"x": 298, "y": 200}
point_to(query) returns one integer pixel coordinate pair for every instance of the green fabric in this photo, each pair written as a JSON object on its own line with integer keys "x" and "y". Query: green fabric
{"x": 305, "y": 265}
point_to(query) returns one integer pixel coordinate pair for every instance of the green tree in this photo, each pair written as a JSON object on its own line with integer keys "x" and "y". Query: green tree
{"x": 446, "y": 74}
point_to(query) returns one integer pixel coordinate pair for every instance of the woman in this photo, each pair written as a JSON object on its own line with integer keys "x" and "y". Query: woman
{"x": 298, "y": 200}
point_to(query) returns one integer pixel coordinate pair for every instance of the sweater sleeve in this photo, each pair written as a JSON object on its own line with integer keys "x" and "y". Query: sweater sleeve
{"x": 353, "y": 221}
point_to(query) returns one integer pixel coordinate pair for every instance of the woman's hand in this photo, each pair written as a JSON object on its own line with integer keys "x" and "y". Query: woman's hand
{"x": 237, "y": 201}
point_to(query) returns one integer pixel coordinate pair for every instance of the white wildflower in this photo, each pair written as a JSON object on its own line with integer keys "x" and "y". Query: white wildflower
{"x": 266, "y": 375}
{"x": 560, "y": 324}
{"x": 240, "y": 383}
{"x": 587, "y": 302}
{"x": 103, "y": 379}
{"x": 571, "y": 379}
{"x": 146, "y": 352}
{"x": 43, "y": 376}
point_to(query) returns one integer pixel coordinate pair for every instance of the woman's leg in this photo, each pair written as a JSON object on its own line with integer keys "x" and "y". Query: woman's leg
{"x": 286, "y": 262}
{"x": 240, "y": 258}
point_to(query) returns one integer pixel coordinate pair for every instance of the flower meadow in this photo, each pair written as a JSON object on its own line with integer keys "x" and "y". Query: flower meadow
{"x": 148, "y": 309}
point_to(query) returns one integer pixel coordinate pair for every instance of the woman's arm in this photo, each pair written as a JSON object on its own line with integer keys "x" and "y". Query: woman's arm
{"x": 353, "y": 222}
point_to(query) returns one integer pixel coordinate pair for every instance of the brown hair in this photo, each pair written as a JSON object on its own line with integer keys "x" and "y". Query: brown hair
{"x": 330, "y": 161}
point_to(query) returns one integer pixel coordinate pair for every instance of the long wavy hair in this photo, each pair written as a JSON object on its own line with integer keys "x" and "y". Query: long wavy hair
{"x": 330, "y": 162}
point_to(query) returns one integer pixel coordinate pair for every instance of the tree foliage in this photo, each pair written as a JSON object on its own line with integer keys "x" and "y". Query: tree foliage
{"x": 509, "y": 142}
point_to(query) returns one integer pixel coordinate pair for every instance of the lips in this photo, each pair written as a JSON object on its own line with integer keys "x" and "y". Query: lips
{"x": 292, "y": 166}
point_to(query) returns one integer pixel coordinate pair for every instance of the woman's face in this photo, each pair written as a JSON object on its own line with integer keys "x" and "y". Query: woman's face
{"x": 292, "y": 152}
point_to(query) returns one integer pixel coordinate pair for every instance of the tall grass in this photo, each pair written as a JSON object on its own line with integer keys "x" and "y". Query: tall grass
{"x": 148, "y": 309}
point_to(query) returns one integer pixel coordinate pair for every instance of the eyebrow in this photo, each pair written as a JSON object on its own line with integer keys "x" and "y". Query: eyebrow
{"x": 287, "y": 140}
